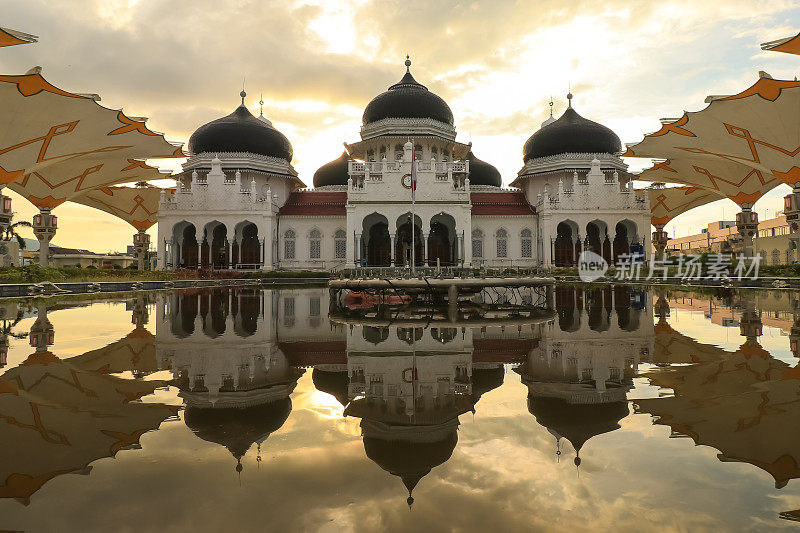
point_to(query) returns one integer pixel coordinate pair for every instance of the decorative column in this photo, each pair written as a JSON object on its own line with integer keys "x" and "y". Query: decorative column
{"x": 42, "y": 333}
{"x": 747, "y": 225}
{"x": 5, "y": 213}
{"x": 750, "y": 326}
{"x": 392, "y": 254}
{"x": 177, "y": 253}
{"x": 791, "y": 208}
{"x": 660, "y": 240}
{"x": 229, "y": 252}
{"x": 44, "y": 228}
{"x": 425, "y": 248}
{"x": 141, "y": 243}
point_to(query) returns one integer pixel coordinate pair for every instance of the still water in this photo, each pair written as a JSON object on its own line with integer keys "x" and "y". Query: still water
{"x": 241, "y": 410}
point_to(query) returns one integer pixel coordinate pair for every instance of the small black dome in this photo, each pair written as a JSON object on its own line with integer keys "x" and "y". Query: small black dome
{"x": 482, "y": 173}
{"x": 575, "y": 421}
{"x": 333, "y": 173}
{"x": 240, "y": 132}
{"x": 572, "y": 134}
{"x": 407, "y": 99}
{"x": 334, "y": 383}
{"x": 237, "y": 429}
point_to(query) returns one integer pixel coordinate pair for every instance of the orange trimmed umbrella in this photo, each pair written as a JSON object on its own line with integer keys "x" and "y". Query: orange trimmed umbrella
{"x": 741, "y": 146}
{"x": 44, "y": 126}
{"x": 55, "y": 145}
{"x": 57, "y": 418}
{"x": 138, "y": 206}
{"x": 10, "y": 37}
{"x": 667, "y": 203}
{"x": 788, "y": 45}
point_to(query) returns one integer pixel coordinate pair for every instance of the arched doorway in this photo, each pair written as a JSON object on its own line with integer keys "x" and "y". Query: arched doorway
{"x": 188, "y": 252}
{"x": 403, "y": 239}
{"x": 247, "y": 249}
{"x": 376, "y": 244}
{"x": 569, "y": 302}
{"x": 597, "y": 239}
{"x": 625, "y": 236}
{"x": 566, "y": 248}
{"x": 442, "y": 242}
{"x": 216, "y": 245}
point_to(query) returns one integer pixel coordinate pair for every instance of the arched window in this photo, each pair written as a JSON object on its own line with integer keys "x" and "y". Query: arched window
{"x": 526, "y": 243}
{"x": 417, "y": 152}
{"x": 477, "y": 243}
{"x": 315, "y": 244}
{"x": 288, "y": 244}
{"x": 445, "y": 154}
{"x": 340, "y": 243}
{"x": 370, "y": 155}
{"x": 502, "y": 243}
{"x": 398, "y": 152}
{"x": 776, "y": 257}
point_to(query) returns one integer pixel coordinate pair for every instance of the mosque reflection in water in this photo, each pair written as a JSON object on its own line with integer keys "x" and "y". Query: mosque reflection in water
{"x": 406, "y": 372}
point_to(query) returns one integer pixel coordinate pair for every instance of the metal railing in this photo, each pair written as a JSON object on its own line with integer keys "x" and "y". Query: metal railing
{"x": 445, "y": 272}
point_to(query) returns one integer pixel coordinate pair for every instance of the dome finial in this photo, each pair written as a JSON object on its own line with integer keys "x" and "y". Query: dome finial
{"x": 261, "y": 103}
{"x": 408, "y": 63}
{"x": 242, "y": 94}
{"x": 569, "y": 95}
{"x": 551, "y": 106}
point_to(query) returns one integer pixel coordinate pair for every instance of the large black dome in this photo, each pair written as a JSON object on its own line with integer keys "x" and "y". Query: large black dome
{"x": 482, "y": 173}
{"x": 333, "y": 173}
{"x": 240, "y": 132}
{"x": 571, "y": 134}
{"x": 407, "y": 99}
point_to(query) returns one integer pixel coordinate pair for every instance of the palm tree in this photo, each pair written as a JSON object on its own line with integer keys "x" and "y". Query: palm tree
{"x": 11, "y": 231}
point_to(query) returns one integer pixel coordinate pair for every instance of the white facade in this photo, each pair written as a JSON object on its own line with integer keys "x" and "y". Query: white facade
{"x": 247, "y": 211}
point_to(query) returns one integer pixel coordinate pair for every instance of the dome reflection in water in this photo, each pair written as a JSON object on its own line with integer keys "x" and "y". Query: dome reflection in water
{"x": 582, "y": 363}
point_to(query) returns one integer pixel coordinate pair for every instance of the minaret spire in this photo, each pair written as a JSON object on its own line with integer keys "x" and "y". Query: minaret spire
{"x": 261, "y": 103}
{"x": 569, "y": 95}
{"x": 551, "y": 106}
{"x": 408, "y": 63}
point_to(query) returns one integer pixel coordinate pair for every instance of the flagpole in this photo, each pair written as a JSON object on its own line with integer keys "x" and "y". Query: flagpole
{"x": 413, "y": 218}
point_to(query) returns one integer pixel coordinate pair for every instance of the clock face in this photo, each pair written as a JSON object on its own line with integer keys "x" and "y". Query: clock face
{"x": 406, "y": 181}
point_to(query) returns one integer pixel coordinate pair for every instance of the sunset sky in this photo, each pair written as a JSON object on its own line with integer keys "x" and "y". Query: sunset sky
{"x": 318, "y": 63}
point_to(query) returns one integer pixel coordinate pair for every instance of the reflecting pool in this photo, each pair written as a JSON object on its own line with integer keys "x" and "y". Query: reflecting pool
{"x": 245, "y": 409}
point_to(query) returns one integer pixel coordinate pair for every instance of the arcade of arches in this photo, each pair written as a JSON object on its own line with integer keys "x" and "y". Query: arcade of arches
{"x": 441, "y": 244}
{"x": 214, "y": 248}
{"x": 569, "y": 243}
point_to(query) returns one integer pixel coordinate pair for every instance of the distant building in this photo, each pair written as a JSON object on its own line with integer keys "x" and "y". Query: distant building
{"x": 772, "y": 241}
{"x": 75, "y": 257}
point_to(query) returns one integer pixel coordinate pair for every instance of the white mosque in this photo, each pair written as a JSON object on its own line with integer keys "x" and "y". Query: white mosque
{"x": 240, "y": 203}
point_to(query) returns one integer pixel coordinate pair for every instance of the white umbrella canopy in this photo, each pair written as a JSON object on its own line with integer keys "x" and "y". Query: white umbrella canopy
{"x": 69, "y": 180}
{"x": 10, "y": 37}
{"x": 138, "y": 206}
{"x": 667, "y": 203}
{"x": 69, "y": 141}
{"x": 787, "y": 45}
{"x": 58, "y": 418}
{"x": 756, "y": 130}
{"x": 721, "y": 177}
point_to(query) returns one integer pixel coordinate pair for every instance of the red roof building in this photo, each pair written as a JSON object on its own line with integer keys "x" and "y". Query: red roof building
{"x": 501, "y": 203}
{"x": 315, "y": 203}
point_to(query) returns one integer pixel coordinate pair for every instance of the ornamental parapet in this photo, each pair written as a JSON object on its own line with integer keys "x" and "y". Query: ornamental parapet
{"x": 376, "y": 169}
{"x": 408, "y": 126}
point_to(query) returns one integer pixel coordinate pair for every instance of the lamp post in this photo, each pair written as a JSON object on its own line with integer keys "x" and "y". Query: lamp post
{"x": 141, "y": 243}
